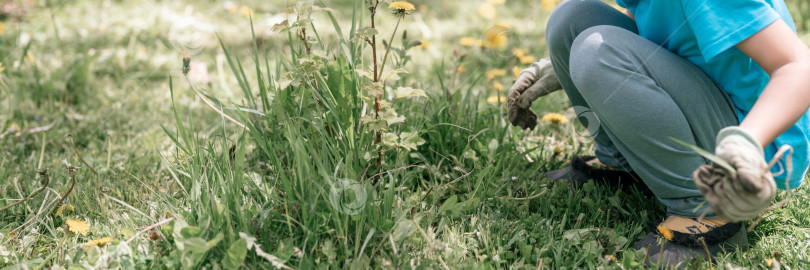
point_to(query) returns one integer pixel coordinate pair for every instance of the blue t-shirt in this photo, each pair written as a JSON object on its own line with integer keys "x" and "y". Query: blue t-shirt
{"x": 705, "y": 32}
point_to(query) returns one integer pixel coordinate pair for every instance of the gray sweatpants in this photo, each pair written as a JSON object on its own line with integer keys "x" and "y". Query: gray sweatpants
{"x": 639, "y": 94}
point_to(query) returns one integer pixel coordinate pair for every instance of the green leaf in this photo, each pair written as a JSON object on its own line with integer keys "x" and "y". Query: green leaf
{"x": 287, "y": 79}
{"x": 211, "y": 244}
{"x": 365, "y": 32}
{"x": 391, "y": 117}
{"x": 191, "y": 231}
{"x": 448, "y": 204}
{"x": 717, "y": 160}
{"x": 389, "y": 139}
{"x": 329, "y": 250}
{"x": 304, "y": 8}
{"x": 195, "y": 245}
{"x": 127, "y": 232}
{"x": 408, "y": 92}
{"x": 392, "y": 75}
{"x": 235, "y": 255}
{"x": 410, "y": 140}
{"x": 578, "y": 234}
{"x": 281, "y": 27}
{"x": 469, "y": 205}
{"x": 493, "y": 145}
{"x": 93, "y": 254}
{"x": 403, "y": 229}
{"x": 373, "y": 89}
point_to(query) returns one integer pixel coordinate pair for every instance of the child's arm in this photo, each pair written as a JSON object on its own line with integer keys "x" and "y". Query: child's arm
{"x": 786, "y": 98}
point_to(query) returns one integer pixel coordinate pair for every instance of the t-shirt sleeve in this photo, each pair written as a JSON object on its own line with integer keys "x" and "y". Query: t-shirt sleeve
{"x": 721, "y": 24}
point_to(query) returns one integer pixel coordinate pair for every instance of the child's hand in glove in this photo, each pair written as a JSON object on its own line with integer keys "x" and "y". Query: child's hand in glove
{"x": 535, "y": 81}
{"x": 740, "y": 196}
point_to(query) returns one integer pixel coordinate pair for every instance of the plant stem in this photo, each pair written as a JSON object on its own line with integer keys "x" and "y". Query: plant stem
{"x": 373, "y": 9}
{"x": 80, "y": 155}
{"x": 390, "y": 43}
{"x": 72, "y": 184}
{"x": 210, "y": 106}
{"x": 149, "y": 228}
{"x": 41, "y": 152}
{"x": 377, "y": 136}
{"x": 109, "y": 148}
{"x": 47, "y": 181}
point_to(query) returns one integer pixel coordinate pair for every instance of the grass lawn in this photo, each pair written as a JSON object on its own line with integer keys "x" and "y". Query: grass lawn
{"x": 280, "y": 148}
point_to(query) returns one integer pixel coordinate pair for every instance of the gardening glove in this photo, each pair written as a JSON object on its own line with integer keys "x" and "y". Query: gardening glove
{"x": 740, "y": 196}
{"x": 535, "y": 81}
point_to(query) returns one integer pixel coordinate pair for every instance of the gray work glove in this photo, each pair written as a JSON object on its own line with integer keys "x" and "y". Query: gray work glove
{"x": 740, "y": 196}
{"x": 533, "y": 82}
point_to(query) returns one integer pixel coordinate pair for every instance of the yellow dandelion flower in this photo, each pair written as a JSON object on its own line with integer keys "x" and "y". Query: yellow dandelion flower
{"x": 461, "y": 69}
{"x": 493, "y": 73}
{"x": 2, "y": 28}
{"x": 518, "y": 52}
{"x": 496, "y": 99}
{"x": 98, "y": 242}
{"x": 401, "y": 8}
{"x": 528, "y": 59}
{"x": 496, "y": 2}
{"x": 521, "y": 55}
{"x": 246, "y": 11}
{"x": 487, "y": 11}
{"x": 497, "y": 86}
{"x": 424, "y": 44}
{"x": 516, "y": 70}
{"x": 423, "y": 8}
{"x": 64, "y": 209}
{"x": 554, "y": 118}
{"x": 549, "y": 5}
{"x": 495, "y": 37}
{"x": 469, "y": 41}
{"x": 77, "y": 226}
{"x": 232, "y": 8}
{"x": 503, "y": 24}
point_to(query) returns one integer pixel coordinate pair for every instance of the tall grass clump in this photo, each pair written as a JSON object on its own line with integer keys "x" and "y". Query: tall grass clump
{"x": 341, "y": 160}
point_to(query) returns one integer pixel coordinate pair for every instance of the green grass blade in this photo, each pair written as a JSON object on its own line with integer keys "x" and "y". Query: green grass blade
{"x": 717, "y": 160}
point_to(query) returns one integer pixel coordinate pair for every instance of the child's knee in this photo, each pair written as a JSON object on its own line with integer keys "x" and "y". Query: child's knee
{"x": 596, "y": 54}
